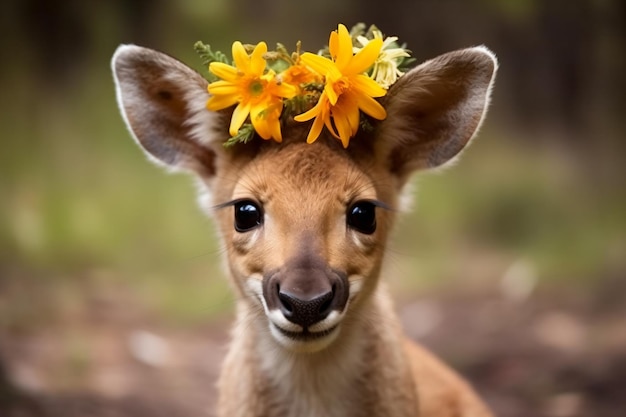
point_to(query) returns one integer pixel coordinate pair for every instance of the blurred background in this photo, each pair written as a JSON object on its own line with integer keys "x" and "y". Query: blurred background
{"x": 512, "y": 265}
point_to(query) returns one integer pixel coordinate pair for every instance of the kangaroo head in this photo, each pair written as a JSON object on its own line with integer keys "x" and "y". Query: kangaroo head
{"x": 305, "y": 226}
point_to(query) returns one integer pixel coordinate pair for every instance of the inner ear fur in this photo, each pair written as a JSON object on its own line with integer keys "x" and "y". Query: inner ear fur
{"x": 163, "y": 104}
{"x": 435, "y": 109}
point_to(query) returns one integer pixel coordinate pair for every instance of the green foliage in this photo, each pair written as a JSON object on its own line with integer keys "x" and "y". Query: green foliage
{"x": 406, "y": 62}
{"x": 208, "y": 56}
{"x": 279, "y": 59}
{"x": 301, "y": 103}
{"x": 244, "y": 135}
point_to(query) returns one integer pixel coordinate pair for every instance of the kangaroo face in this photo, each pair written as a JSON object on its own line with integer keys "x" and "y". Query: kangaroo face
{"x": 305, "y": 230}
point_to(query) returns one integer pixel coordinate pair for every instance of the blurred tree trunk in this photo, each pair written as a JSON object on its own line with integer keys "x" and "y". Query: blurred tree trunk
{"x": 59, "y": 33}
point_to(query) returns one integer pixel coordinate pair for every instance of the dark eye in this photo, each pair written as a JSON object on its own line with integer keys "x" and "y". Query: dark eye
{"x": 248, "y": 215}
{"x": 361, "y": 216}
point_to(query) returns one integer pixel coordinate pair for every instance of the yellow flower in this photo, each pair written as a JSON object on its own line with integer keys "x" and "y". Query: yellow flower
{"x": 346, "y": 90}
{"x": 299, "y": 74}
{"x": 259, "y": 94}
{"x": 385, "y": 71}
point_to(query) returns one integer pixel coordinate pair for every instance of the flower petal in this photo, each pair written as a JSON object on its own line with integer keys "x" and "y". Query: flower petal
{"x": 284, "y": 90}
{"x": 257, "y": 62}
{"x": 333, "y": 44}
{"x": 316, "y": 129}
{"x": 317, "y": 63}
{"x": 351, "y": 109}
{"x": 311, "y": 113}
{"x": 265, "y": 119}
{"x": 343, "y": 125}
{"x": 274, "y": 126}
{"x": 330, "y": 127}
{"x": 365, "y": 58}
{"x": 240, "y": 114}
{"x": 241, "y": 58}
{"x": 223, "y": 88}
{"x": 262, "y": 128}
{"x": 258, "y": 121}
{"x": 331, "y": 94}
{"x": 216, "y": 103}
{"x": 224, "y": 71}
{"x": 320, "y": 112}
{"x": 365, "y": 85}
{"x": 372, "y": 107}
{"x": 344, "y": 47}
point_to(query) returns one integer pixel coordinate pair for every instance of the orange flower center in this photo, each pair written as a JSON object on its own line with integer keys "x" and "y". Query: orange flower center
{"x": 255, "y": 88}
{"x": 341, "y": 86}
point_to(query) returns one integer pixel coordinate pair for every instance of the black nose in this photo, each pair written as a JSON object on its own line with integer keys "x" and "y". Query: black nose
{"x": 306, "y": 312}
{"x": 305, "y": 290}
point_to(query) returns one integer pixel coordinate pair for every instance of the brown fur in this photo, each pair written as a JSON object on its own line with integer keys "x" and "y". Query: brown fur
{"x": 367, "y": 367}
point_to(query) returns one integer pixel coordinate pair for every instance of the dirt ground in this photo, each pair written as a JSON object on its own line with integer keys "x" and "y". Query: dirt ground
{"x": 553, "y": 354}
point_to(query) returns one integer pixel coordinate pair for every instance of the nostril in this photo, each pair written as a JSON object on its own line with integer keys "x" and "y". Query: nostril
{"x": 326, "y": 303}
{"x": 325, "y": 308}
{"x": 285, "y": 303}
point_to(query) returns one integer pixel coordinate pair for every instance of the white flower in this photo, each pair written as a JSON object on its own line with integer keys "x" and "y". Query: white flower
{"x": 385, "y": 70}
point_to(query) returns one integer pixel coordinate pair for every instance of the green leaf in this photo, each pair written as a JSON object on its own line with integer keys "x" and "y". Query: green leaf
{"x": 406, "y": 63}
{"x": 208, "y": 55}
{"x": 357, "y": 30}
{"x": 245, "y": 135}
{"x": 370, "y": 32}
{"x": 365, "y": 123}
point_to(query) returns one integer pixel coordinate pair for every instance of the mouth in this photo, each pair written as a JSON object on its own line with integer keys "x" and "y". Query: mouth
{"x": 306, "y": 335}
{"x": 304, "y": 341}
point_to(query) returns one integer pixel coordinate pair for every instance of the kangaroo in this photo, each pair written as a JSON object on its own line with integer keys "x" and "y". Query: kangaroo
{"x": 305, "y": 228}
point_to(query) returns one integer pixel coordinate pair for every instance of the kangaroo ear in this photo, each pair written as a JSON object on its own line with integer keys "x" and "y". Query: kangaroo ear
{"x": 164, "y": 105}
{"x": 435, "y": 109}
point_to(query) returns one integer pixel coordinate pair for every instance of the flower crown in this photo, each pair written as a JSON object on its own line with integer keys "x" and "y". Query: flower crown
{"x": 333, "y": 87}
